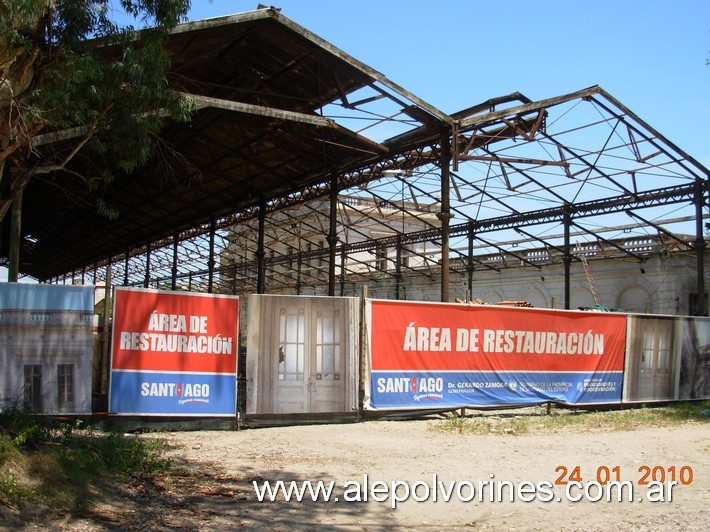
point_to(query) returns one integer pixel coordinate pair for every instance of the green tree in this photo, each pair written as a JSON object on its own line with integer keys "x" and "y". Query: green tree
{"x": 75, "y": 82}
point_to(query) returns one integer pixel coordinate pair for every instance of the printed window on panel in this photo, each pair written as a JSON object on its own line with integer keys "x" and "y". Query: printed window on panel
{"x": 65, "y": 385}
{"x": 328, "y": 346}
{"x": 648, "y": 350}
{"x": 664, "y": 351}
{"x": 656, "y": 351}
{"x": 292, "y": 334}
{"x": 33, "y": 387}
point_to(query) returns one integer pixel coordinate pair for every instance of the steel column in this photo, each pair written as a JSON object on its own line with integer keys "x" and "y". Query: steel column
{"x": 13, "y": 273}
{"x": 445, "y": 213}
{"x": 567, "y": 258}
{"x": 173, "y": 280}
{"x": 104, "y": 366}
{"x": 332, "y": 234}
{"x": 125, "y": 271}
{"x": 211, "y": 261}
{"x": 469, "y": 264}
{"x": 146, "y": 282}
{"x": 299, "y": 266}
{"x": 260, "y": 252}
{"x": 700, "y": 245}
{"x": 342, "y": 271}
{"x": 398, "y": 268}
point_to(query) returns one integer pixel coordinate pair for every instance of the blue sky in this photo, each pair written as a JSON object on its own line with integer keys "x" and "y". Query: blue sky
{"x": 649, "y": 54}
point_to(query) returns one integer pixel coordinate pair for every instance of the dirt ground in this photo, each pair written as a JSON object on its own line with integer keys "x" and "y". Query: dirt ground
{"x": 215, "y": 489}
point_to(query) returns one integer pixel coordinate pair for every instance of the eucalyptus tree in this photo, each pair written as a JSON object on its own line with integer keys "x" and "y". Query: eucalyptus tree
{"x": 79, "y": 86}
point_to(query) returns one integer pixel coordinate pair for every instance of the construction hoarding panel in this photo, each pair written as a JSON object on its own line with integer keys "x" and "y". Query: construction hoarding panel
{"x": 694, "y": 374}
{"x": 667, "y": 358}
{"x": 302, "y": 355}
{"x": 433, "y": 355}
{"x": 173, "y": 353}
{"x": 46, "y": 346}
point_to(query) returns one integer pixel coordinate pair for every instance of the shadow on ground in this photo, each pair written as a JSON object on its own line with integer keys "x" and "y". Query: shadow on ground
{"x": 198, "y": 496}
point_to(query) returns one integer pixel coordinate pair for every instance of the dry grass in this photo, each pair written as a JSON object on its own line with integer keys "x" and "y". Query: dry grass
{"x": 49, "y": 467}
{"x": 536, "y": 419}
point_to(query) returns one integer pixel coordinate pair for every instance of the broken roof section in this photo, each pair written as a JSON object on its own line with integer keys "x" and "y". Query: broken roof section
{"x": 290, "y": 69}
{"x": 520, "y": 167}
{"x": 282, "y": 112}
{"x": 278, "y": 110}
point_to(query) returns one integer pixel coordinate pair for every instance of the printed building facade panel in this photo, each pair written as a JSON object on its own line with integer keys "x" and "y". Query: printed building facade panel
{"x": 46, "y": 347}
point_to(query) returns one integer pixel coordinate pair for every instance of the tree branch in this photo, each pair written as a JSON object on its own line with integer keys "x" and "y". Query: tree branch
{"x": 21, "y": 181}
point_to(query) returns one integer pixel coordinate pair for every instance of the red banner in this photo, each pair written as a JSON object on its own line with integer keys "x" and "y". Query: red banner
{"x": 173, "y": 331}
{"x": 421, "y": 336}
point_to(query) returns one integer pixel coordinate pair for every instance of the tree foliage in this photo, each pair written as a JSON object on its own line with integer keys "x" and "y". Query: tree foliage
{"x": 74, "y": 81}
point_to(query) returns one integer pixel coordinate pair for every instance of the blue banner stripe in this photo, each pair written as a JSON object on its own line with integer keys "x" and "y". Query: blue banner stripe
{"x": 187, "y": 394}
{"x": 460, "y": 389}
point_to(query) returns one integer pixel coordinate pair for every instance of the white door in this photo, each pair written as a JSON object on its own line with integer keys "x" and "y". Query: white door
{"x": 307, "y": 355}
{"x": 292, "y": 376}
{"x": 328, "y": 379}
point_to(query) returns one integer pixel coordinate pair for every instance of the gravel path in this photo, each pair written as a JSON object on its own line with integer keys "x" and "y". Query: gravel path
{"x": 215, "y": 488}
